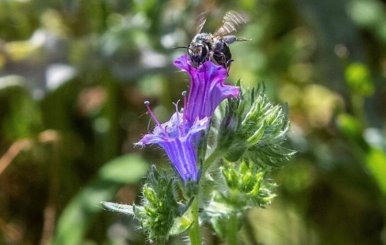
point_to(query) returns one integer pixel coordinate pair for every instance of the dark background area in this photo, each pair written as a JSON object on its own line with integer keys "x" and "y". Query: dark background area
{"x": 74, "y": 75}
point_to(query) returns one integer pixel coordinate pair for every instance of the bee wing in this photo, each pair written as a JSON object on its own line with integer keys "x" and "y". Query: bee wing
{"x": 230, "y": 22}
{"x": 201, "y": 22}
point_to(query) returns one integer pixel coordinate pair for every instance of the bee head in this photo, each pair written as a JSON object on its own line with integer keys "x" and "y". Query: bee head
{"x": 198, "y": 53}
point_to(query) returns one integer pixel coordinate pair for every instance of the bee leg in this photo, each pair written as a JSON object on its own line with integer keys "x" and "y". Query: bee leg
{"x": 227, "y": 65}
{"x": 212, "y": 57}
{"x": 229, "y": 39}
{"x": 219, "y": 58}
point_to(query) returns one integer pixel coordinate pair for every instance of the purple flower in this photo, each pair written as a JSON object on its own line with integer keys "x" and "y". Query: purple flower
{"x": 179, "y": 140}
{"x": 179, "y": 137}
{"x": 207, "y": 88}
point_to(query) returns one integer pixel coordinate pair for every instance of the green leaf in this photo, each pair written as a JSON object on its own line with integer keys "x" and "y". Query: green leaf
{"x": 181, "y": 224}
{"x": 20, "y": 117}
{"x": 349, "y": 126}
{"x": 376, "y": 163}
{"x": 366, "y": 13}
{"x": 124, "y": 169}
{"x": 79, "y": 213}
{"x": 358, "y": 78}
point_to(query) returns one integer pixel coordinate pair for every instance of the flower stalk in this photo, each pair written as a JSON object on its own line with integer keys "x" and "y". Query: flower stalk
{"x": 194, "y": 232}
{"x": 232, "y": 230}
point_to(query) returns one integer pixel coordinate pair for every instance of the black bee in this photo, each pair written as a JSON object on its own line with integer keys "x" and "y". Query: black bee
{"x": 214, "y": 47}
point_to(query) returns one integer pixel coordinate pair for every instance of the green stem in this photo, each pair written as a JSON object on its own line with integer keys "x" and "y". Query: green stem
{"x": 211, "y": 158}
{"x": 231, "y": 235}
{"x": 194, "y": 232}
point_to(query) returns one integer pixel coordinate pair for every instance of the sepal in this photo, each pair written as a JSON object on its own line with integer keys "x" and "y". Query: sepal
{"x": 119, "y": 208}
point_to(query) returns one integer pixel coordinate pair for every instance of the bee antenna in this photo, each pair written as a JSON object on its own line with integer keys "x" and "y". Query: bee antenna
{"x": 180, "y": 47}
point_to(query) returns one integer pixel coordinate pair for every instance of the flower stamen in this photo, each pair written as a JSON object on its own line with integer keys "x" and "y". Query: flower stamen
{"x": 153, "y": 116}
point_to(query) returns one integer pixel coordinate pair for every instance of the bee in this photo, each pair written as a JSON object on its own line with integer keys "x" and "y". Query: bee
{"x": 215, "y": 47}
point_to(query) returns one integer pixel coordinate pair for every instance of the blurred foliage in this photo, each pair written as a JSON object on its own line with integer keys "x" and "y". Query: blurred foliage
{"x": 78, "y": 214}
{"x": 74, "y": 75}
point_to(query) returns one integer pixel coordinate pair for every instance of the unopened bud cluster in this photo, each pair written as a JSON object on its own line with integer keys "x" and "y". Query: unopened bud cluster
{"x": 248, "y": 185}
{"x": 253, "y": 128}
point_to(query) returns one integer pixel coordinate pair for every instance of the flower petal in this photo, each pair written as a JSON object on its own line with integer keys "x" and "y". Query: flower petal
{"x": 179, "y": 139}
{"x": 207, "y": 87}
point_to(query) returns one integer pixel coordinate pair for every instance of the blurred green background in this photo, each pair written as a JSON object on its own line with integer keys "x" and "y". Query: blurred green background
{"x": 74, "y": 75}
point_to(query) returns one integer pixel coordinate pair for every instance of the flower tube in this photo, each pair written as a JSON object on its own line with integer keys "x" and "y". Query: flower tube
{"x": 207, "y": 88}
{"x": 179, "y": 140}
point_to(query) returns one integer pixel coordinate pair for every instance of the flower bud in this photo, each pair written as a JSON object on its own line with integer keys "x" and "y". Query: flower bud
{"x": 254, "y": 128}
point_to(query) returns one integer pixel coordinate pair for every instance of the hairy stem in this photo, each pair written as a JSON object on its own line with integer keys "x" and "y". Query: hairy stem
{"x": 231, "y": 235}
{"x": 194, "y": 232}
{"x": 211, "y": 158}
